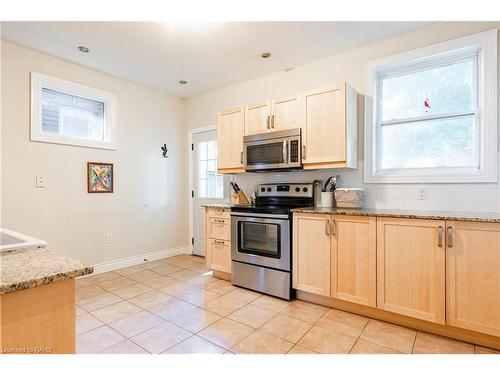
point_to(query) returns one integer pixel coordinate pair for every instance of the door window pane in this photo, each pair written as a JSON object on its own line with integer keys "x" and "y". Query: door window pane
{"x": 438, "y": 90}
{"x": 210, "y": 184}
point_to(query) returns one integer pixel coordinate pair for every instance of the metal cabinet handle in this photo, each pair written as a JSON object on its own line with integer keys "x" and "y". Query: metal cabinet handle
{"x": 449, "y": 236}
{"x": 241, "y": 157}
{"x": 219, "y": 221}
{"x": 268, "y": 122}
{"x": 304, "y": 152}
{"x": 334, "y": 227}
{"x": 327, "y": 227}
{"x": 440, "y": 236}
{"x": 219, "y": 242}
{"x": 272, "y": 121}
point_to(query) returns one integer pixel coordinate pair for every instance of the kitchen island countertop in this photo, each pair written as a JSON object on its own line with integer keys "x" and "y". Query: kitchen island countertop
{"x": 30, "y": 268}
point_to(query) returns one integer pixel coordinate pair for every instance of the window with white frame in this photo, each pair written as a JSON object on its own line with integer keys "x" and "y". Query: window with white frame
{"x": 69, "y": 113}
{"x": 433, "y": 114}
{"x": 210, "y": 183}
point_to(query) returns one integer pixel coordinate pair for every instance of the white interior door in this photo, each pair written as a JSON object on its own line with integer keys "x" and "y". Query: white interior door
{"x": 208, "y": 185}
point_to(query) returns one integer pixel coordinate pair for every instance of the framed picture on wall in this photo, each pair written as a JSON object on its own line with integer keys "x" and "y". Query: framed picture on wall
{"x": 99, "y": 177}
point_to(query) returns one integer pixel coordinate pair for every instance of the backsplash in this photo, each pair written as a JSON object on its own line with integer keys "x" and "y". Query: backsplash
{"x": 449, "y": 197}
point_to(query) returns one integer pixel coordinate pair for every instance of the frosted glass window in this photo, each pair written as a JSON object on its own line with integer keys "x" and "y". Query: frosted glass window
{"x": 210, "y": 183}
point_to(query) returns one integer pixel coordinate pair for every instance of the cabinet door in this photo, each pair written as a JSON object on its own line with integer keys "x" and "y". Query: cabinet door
{"x": 354, "y": 253}
{"x": 220, "y": 255}
{"x": 473, "y": 276}
{"x": 311, "y": 253}
{"x": 230, "y": 131}
{"x": 325, "y": 124}
{"x": 257, "y": 118}
{"x": 286, "y": 113}
{"x": 411, "y": 268}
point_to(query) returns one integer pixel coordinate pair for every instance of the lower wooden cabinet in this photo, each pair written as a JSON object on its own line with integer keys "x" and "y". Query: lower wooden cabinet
{"x": 219, "y": 253}
{"x": 445, "y": 272}
{"x": 411, "y": 268}
{"x": 354, "y": 257}
{"x": 335, "y": 256}
{"x": 311, "y": 253}
{"x": 473, "y": 276}
{"x": 218, "y": 239}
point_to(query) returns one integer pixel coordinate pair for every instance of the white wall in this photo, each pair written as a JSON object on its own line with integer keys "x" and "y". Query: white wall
{"x": 148, "y": 210}
{"x": 349, "y": 66}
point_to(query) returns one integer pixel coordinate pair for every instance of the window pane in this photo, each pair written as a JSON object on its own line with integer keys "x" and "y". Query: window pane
{"x": 72, "y": 116}
{"x": 202, "y": 188}
{"x": 428, "y": 144}
{"x": 212, "y": 168}
{"x": 444, "y": 89}
{"x": 202, "y": 151}
{"x": 202, "y": 169}
{"x": 210, "y": 184}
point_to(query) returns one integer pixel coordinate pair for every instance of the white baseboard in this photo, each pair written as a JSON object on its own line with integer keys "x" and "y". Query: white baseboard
{"x": 138, "y": 259}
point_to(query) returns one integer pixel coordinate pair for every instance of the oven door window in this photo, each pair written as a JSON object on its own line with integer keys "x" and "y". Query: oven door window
{"x": 259, "y": 239}
{"x": 269, "y": 153}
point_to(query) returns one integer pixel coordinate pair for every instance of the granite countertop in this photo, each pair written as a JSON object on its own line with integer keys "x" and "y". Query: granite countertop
{"x": 493, "y": 217}
{"x": 217, "y": 205}
{"x": 224, "y": 205}
{"x": 29, "y": 268}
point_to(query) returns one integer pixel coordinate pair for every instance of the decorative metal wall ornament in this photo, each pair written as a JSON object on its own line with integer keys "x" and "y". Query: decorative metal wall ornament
{"x": 164, "y": 150}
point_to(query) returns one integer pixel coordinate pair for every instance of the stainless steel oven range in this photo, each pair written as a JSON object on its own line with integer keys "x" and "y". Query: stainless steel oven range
{"x": 261, "y": 238}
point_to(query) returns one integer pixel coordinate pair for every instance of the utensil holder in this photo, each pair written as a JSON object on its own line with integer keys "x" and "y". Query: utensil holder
{"x": 326, "y": 200}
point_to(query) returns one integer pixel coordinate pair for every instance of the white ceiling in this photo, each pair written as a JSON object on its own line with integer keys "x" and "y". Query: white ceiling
{"x": 207, "y": 55}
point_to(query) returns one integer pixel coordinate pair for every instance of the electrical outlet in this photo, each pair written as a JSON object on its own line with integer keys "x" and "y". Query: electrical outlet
{"x": 109, "y": 238}
{"x": 422, "y": 194}
{"x": 39, "y": 182}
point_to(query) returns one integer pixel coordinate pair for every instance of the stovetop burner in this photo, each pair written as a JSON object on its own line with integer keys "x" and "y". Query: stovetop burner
{"x": 279, "y": 198}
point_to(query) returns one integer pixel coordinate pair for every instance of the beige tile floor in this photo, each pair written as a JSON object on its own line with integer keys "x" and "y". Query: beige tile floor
{"x": 174, "y": 305}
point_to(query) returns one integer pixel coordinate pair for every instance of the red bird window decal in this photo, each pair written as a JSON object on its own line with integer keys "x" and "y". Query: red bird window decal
{"x": 427, "y": 105}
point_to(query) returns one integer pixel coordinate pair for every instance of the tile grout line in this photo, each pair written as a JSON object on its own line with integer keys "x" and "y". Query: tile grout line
{"x": 359, "y": 336}
{"x": 414, "y": 342}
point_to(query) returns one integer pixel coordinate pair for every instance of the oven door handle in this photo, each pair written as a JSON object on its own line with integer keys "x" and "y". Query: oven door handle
{"x": 250, "y": 214}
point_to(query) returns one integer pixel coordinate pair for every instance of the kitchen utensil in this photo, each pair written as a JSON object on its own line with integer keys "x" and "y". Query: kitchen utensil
{"x": 327, "y": 182}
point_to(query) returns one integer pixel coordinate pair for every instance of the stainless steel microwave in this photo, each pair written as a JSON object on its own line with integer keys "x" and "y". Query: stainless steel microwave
{"x": 273, "y": 150}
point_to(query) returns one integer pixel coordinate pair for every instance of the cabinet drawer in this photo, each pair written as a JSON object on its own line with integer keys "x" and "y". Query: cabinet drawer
{"x": 219, "y": 228}
{"x": 220, "y": 255}
{"x": 222, "y": 213}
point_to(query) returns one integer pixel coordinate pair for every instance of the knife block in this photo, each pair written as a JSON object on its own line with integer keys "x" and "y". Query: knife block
{"x": 239, "y": 198}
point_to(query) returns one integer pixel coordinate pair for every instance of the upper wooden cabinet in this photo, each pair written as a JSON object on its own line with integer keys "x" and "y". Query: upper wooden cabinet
{"x": 273, "y": 115}
{"x": 257, "y": 117}
{"x": 311, "y": 253}
{"x": 354, "y": 257}
{"x": 411, "y": 267}
{"x": 473, "y": 276}
{"x": 230, "y": 131}
{"x": 286, "y": 113}
{"x": 330, "y": 123}
{"x": 327, "y": 117}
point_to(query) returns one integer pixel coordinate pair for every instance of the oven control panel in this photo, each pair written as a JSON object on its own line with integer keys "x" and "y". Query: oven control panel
{"x": 285, "y": 190}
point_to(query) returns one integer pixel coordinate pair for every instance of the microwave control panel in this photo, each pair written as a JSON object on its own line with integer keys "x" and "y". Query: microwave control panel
{"x": 294, "y": 151}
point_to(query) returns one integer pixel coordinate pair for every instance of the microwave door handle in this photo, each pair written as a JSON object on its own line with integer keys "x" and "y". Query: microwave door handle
{"x": 285, "y": 151}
